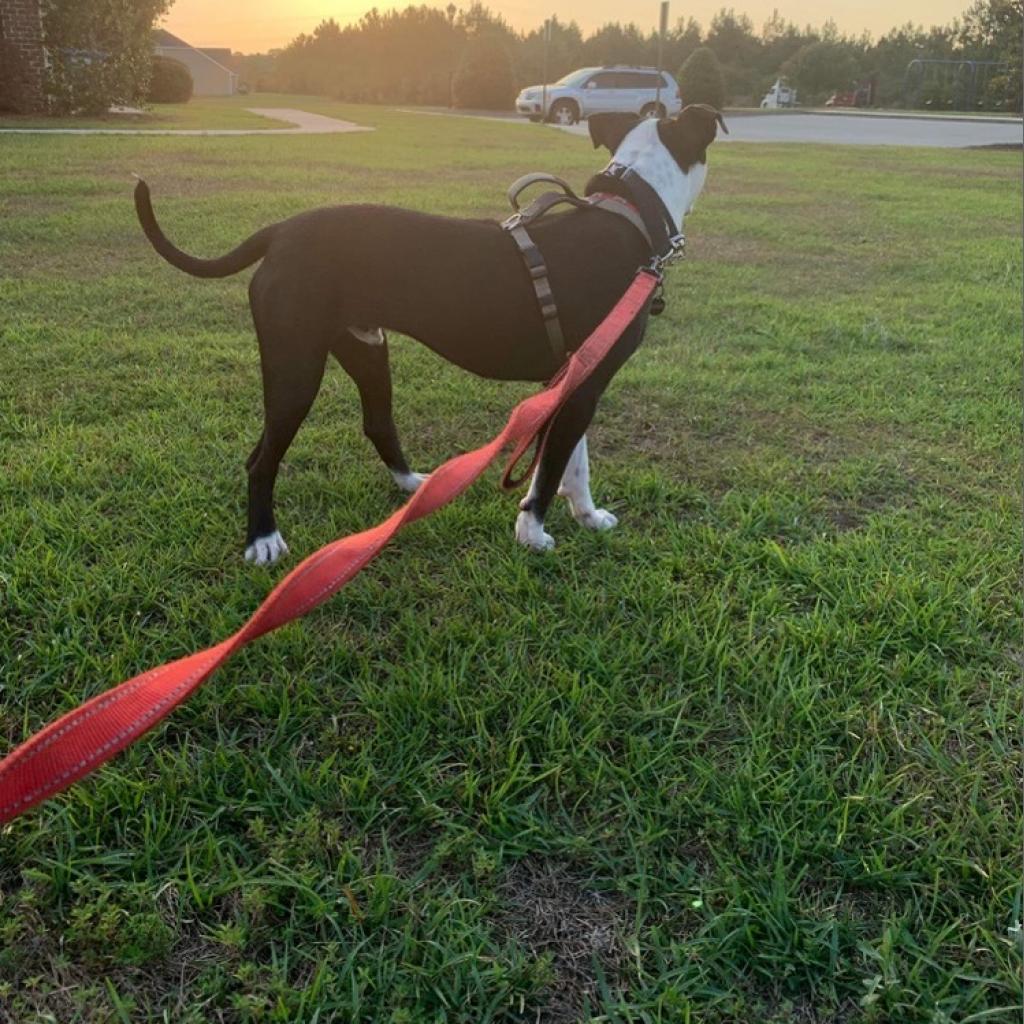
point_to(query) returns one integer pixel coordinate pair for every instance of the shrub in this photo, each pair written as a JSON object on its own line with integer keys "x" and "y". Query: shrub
{"x": 485, "y": 79}
{"x": 170, "y": 82}
{"x": 701, "y": 79}
{"x": 100, "y": 52}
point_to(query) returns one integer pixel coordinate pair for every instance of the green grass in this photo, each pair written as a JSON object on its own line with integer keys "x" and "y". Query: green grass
{"x": 199, "y": 112}
{"x": 752, "y": 757}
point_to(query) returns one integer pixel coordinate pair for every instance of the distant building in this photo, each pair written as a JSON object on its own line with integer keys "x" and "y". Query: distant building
{"x": 22, "y": 56}
{"x": 208, "y": 67}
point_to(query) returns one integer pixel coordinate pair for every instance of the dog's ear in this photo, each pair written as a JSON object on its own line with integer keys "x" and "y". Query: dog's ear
{"x": 707, "y": 113}
{"x": 688, "y": 134}
{"x": 610, "y": 129}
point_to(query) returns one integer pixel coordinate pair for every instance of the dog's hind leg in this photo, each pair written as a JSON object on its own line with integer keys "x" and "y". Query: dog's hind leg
{"x": 363, "y": 352}
{"x": 291, "y": 380}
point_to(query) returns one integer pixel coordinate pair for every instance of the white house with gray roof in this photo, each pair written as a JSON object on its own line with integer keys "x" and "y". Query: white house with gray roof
{"x": 210, "y": 77}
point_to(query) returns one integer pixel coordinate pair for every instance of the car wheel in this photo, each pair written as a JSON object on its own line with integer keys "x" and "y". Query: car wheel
{"x": 653, "y": 110}
{"x": 564, "y": 112}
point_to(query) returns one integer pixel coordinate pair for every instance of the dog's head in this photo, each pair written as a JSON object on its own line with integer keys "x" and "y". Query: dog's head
{"x": 669, "y": 153}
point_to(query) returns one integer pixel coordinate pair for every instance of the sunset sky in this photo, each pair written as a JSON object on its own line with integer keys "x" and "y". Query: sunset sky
{"x": 256, "y": 25}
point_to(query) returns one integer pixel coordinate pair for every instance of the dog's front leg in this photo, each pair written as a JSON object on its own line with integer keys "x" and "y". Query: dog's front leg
{"x": 564, "y": 459}
{"x": 575, "y": 487}
{"x": 566, "y": 434}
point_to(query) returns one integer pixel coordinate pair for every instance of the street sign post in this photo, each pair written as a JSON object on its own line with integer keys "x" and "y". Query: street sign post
{"x": 663, "y": 28}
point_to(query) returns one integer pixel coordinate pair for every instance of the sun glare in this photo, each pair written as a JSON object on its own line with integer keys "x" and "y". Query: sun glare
{"x": 252, "y": 26}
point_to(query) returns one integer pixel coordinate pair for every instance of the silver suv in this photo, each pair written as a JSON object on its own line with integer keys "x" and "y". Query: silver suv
{"x": 601, "y": 90}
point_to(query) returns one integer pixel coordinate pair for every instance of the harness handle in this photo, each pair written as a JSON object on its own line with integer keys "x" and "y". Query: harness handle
{"x": 520, "y": 185}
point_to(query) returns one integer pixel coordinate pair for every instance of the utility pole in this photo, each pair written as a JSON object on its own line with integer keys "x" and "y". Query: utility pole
{"x": 544, "y": 75}
{"x": 451, "y": 10}
{"x": 661, "y": 55}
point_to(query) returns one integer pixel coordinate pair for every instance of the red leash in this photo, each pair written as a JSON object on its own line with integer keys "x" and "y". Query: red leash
{"x": 83, "y": 739}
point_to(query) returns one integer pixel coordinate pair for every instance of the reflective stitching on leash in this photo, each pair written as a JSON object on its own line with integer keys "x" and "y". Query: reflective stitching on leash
{"x": 96, "y": 755}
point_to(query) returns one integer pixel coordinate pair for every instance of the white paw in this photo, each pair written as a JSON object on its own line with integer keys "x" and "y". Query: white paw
{"x": 409, "y": 482}
{"x": 531, "y": 534}
{"x": 266, "y": 550}
{"x": 597, "y": 519}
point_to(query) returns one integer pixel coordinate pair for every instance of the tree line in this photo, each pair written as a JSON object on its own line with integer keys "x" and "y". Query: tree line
{"x": 101, "y": 53}
{"x": 418, "y": 54}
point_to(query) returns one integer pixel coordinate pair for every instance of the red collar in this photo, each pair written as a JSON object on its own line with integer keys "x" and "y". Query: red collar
{"x": 615, "y": 198}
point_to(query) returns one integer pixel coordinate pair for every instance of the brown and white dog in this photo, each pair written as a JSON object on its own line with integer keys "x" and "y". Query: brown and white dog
{"x": 332, "y": 280}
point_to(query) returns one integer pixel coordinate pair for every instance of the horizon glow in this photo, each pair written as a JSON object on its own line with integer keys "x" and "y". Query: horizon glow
{"x": 255, "y": 26}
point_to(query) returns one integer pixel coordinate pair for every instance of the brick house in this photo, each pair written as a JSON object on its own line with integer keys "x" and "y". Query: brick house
{"x": 22, "y": 56}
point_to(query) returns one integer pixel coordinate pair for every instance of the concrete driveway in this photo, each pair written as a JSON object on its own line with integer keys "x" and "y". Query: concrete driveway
{"x": 867, "y": 130}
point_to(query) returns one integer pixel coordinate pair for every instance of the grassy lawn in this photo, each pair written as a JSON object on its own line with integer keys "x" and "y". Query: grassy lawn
{"x": 751, "y": 757}
{"x": 199, "y": 112}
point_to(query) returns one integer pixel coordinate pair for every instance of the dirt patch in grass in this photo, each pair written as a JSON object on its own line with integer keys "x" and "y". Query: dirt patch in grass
{"x": 408, "y": 853}
{"x": 731, "y": 180}
{"x": 83, "y": 988}
{"x": 844, "y": 519}
{"x": 846, "y": 516}
{"x": 730, "y": 249}
{"x": 33, "y": 206}
{"x": 549, "y": 911}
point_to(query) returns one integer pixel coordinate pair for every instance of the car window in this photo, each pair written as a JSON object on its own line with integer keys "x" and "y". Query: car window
{"x": 602, "y": 80}
{"x": 574, "y": 78}
{"x": 637, "y": 80}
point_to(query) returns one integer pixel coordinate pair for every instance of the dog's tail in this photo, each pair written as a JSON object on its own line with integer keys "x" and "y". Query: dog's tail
{"x": 252, "y": 249}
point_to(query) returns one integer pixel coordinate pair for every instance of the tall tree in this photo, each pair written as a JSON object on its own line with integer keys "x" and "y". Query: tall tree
{"x": 992, "y": 30}
{"x": 485, "y": 78}
{"x": 732, "y": 38}
{"x": 616, "y": 44}
{"x": 701, "y": 80}
{"x": 822, "y": 67}
{"x": 101, "y": 52}
{"x": 563, "y": 53}
{"x": 680, "y": 42}
{"x": 410, "y": 55}
{"x": 779, "y": 41}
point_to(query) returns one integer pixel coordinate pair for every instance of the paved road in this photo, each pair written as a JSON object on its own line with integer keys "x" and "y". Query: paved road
{"x": 305, "y": 124}
{"x": 865, "y": 130}
{"x": 847, "y": 129}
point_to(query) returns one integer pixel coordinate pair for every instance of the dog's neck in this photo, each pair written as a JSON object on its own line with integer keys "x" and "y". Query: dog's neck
{"x": 643, "y": 151}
